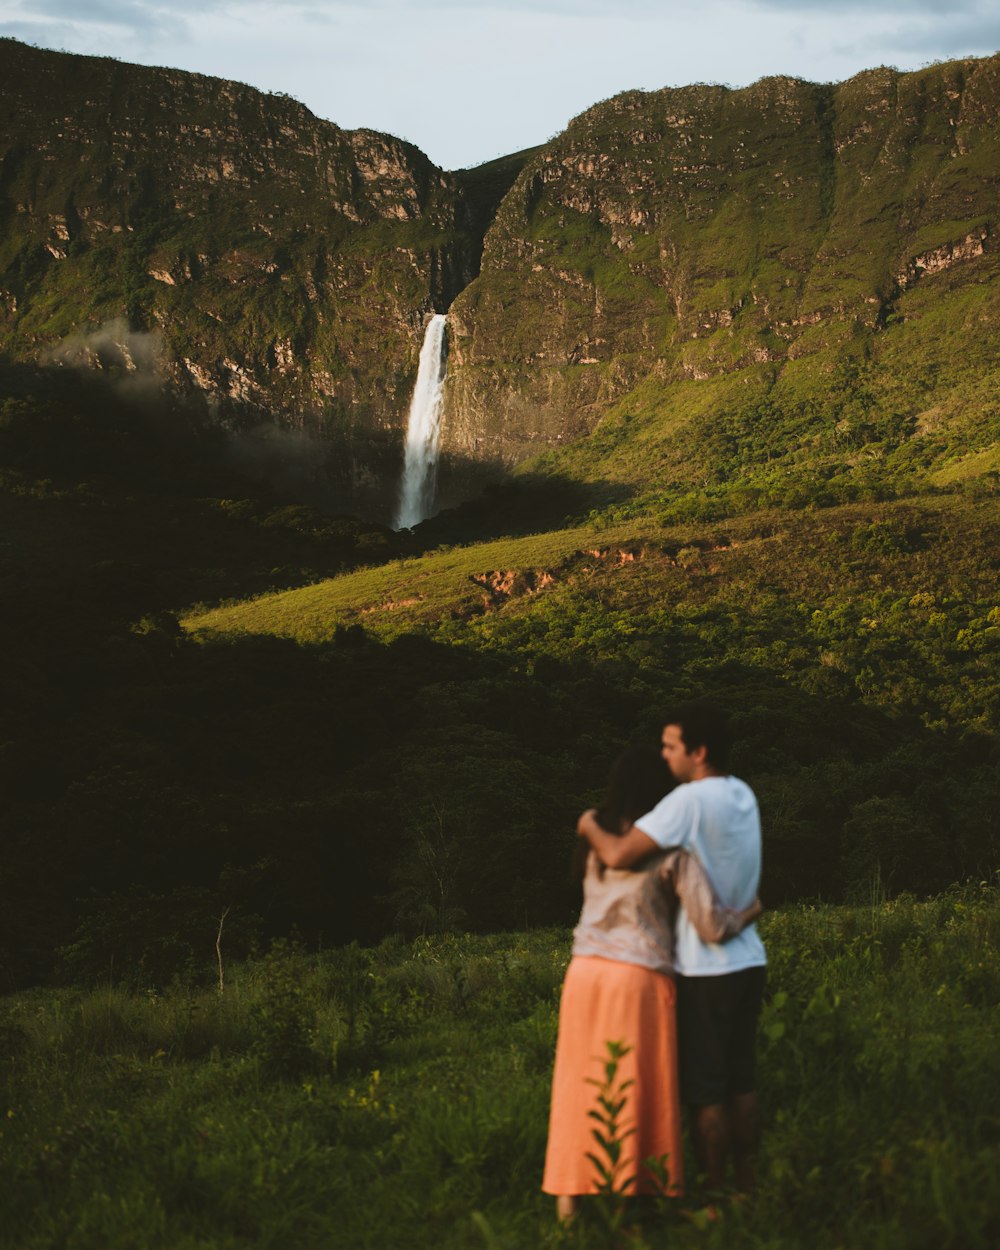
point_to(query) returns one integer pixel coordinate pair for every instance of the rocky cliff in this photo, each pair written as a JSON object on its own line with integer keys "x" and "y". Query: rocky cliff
{"x": 228, "y": 242}
{"x": 704, "y": 281}
{"x": 670, "y": 245}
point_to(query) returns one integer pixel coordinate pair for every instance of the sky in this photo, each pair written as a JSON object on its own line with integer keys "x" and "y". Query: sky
{"x": 467, "y": 81}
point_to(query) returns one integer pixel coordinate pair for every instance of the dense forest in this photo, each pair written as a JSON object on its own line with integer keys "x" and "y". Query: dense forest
{"x": 404, "y": 746}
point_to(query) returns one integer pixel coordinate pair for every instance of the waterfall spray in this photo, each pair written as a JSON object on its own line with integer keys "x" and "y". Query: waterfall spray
{"x": 423, "y": 429}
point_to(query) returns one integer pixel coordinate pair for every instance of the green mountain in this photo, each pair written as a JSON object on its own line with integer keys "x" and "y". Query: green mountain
{"x": 785, "y": 291}
{"x": 729, "y": 289}
{"x": 229, "y": 245}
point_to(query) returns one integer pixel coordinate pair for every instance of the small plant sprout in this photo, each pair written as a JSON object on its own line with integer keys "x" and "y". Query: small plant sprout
{"x": 610, "y": 1136}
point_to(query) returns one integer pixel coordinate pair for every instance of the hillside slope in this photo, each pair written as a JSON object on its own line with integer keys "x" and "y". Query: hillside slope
{"x": 227, "y": 243}
{"x": 694, "y": 290}
{"x": 853, "y": 645}
{"x": 729, "y": 284}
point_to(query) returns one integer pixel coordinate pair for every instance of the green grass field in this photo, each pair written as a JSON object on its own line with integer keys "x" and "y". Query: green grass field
{"x": 397, "y": 1096}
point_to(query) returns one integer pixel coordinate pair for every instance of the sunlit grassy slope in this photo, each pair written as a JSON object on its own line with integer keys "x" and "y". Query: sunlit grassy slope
{"x": 902, "y": 410}
{"x": 407, "y": 593}
{"x": 936, "y": 546}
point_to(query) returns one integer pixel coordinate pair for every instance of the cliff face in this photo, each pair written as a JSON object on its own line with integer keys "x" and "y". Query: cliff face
{"x": 692, "y": 268}
{"x": 281, "y": 265}
{"x": 689, "y": 235}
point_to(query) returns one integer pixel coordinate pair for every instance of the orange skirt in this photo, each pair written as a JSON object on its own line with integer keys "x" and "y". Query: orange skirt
{"x": 607, "y": 1001}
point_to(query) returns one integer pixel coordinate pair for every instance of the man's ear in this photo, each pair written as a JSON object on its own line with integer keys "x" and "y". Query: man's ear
{"x": 699, "y": 754}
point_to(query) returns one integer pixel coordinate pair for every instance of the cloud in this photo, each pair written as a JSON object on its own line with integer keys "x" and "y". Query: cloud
{"x": 965, "y": 37}
{"x": 466, "y": 80}
{"x": 854, "y": 34}
{"x": 875, "y": 8}
{"x": 46, "y": 34}
{"x": 143, "y": 16}
{"x": 46, "y": 21}
{"x": 131, "y": 360}
{"x": 929, "y": 32}
{"x": 111, "y": 12}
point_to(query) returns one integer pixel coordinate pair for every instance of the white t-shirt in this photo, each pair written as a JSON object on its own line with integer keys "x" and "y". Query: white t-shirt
{"x": 717, "y": 820}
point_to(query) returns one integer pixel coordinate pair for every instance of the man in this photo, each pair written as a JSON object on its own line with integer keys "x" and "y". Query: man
{"x": 719, "y": 987}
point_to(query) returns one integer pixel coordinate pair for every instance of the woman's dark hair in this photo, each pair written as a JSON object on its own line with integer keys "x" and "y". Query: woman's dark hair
{"x": 639, "y": 778}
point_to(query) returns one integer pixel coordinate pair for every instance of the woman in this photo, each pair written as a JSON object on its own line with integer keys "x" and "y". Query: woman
{"x": 619, "y": 988}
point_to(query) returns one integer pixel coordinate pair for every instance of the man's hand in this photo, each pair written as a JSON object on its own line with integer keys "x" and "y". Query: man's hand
{"x": 613, "y": 851}
{"x": 588, "y": 821}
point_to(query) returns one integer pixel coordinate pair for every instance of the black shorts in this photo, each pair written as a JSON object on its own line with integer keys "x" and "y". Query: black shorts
{"x": 717, "y": 1034}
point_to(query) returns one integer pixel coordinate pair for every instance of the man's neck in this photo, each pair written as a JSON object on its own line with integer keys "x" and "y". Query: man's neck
{"x": 705, "y": 772}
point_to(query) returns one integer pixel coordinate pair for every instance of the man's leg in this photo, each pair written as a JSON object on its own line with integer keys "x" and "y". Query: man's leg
{"x": 701, "y": 1035}
{"x": 743, "y": 1116}
{"x": 712, "y": 1142}
{"x": 742, "y": 1107}
{"x": 718, "y": 1024}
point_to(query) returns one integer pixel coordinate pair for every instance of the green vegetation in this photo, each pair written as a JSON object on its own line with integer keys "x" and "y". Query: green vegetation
{"x": 397, "y": 1095}
{"x": 756, "y": 298}
{"x": 907, "y": 411}
{"x": 726, "y": 289}
{"x": 752, "y": 336}
{"x": 884, "y": 618}
{"x": 283, "y": 266}
{"x": 323, "y": 758}
{"x": 786, "y": 500}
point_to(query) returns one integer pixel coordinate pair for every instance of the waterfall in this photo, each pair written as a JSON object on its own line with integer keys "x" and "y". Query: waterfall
{"x": 423, "y": 429}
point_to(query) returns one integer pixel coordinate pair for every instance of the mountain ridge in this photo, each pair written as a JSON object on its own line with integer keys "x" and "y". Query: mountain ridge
{"x": 284, "y": 264}
{"x": 724, "y": 277}
{"x": 729, "y": 474}
{"x": 694, "y": 234}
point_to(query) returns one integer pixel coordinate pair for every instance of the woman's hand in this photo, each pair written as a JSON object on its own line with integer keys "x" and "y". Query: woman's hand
{"x": 749, "y": 914}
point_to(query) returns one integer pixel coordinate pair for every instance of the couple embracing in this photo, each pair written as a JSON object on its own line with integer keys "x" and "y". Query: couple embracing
{"x": 666, "y": 961}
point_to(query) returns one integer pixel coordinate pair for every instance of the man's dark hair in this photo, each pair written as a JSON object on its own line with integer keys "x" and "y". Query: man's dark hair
{"x": 703, "y": 725}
